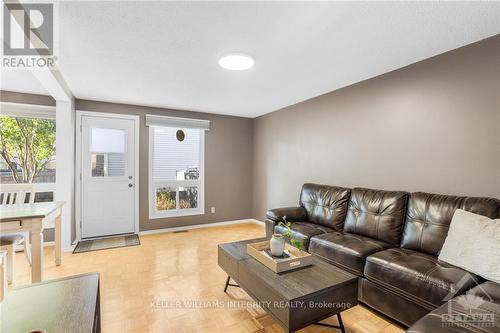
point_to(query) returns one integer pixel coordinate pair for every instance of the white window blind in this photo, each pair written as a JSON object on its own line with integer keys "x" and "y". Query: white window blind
{"x": 153, "y": 120}
{"x": 172, "y": 157}
{"x": 176, "y": 171}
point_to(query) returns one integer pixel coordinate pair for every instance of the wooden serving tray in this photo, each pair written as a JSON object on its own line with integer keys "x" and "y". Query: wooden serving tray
{"x": 297, "y": 258}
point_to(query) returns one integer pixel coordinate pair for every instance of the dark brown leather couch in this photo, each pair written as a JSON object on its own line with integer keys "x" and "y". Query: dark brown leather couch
{"x": 390, "y": 239}
{"x": 373, "y": 223}
{"x": 322, "y": 209}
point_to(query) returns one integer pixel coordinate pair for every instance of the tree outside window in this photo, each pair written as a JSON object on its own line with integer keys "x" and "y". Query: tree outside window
{"x": 27, "y": 150}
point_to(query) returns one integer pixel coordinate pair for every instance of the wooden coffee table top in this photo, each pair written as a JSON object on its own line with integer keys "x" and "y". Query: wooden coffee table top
{"x": 290, "y": 285}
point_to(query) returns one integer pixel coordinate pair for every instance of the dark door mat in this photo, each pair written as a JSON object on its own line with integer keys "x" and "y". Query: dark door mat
{"x": 106, "y": 243}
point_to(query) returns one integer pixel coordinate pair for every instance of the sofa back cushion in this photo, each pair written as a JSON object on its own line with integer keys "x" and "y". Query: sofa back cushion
{"x": 429, "y": 215}
{"x": 377, "y": 214}
{"x": 325, "y": 205}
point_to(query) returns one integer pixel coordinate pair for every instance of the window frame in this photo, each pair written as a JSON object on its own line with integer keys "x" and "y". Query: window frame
{"x": 153, "y": 186}
{"x": 31, "y": 111}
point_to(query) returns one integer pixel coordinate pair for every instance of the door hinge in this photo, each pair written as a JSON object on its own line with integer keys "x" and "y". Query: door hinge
{"x": 80, "y": 128}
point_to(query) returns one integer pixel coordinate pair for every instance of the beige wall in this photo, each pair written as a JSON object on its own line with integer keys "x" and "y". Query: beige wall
{"x": 432, "y": 126}
{"x": 228, "y": 165}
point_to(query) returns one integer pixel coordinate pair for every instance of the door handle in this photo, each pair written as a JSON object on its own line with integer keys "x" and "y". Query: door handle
{"x": 130, "y": 185}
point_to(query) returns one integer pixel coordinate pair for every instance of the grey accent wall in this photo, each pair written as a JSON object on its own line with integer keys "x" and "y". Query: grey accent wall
{"x": 228, "y": 164}
{"x": 23, "y": 98}
{"x": 432, "y": 126}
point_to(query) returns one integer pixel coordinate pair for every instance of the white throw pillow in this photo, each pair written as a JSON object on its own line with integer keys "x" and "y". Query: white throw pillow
{"x": 473, "y": 243}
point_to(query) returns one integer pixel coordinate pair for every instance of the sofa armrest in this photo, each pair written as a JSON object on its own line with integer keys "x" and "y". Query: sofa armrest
{"x": 292, "y": 214}
{"x": 275, "y": 216}
{"x": 270, "y": 224}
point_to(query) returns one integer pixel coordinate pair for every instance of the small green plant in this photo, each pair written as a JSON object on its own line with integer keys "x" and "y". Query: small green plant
{"x": 289, "y": 234}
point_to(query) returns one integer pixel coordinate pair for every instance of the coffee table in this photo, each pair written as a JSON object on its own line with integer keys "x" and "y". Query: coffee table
{"x": 294, "y": 299}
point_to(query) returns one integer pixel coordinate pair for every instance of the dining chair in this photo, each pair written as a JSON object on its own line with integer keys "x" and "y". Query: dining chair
{"x": 15, "y": 194}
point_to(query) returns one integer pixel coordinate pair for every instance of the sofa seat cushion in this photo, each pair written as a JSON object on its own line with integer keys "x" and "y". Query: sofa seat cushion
{"x": 349, "y": 251}
{"x": 303, "y": 231}
{"x": 418, "y": 276}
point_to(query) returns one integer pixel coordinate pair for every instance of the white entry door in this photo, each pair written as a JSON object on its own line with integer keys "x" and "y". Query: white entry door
{"x": 108, "y": 184}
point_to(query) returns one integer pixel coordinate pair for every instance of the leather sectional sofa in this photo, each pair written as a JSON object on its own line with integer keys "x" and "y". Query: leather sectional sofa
{"x": 391, "y": 240}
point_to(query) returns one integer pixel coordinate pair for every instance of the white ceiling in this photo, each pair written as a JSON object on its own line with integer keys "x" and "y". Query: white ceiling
{"x": 165, "y": 53}
{"x": 21, "y": 81}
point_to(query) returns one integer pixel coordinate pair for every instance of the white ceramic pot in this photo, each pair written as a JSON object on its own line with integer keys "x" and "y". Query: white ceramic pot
{"x": 277, "y": 245}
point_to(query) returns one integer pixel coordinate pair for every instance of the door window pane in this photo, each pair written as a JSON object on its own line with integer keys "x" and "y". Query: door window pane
{"x": 188, "y": 197}
{"x": 98, "y": 165}
{"x": 108, "y": 140}
{"x": 166, "y": 198}
{"x": 111, "y": 164}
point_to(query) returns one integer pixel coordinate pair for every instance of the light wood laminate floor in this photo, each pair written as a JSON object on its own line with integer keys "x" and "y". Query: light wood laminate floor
{"x": 154, "y": 287}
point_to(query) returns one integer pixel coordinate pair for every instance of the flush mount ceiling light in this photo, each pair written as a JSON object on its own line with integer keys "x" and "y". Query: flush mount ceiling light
{"x": 236, "y": 62}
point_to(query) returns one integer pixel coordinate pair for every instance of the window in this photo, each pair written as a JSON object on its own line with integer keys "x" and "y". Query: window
{"x": 108, "y": 147}
{"x": 28, "y": 145}
{"x": 175, "y": 171}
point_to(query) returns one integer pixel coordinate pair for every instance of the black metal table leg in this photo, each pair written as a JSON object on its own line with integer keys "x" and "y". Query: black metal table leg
{"x": 340, "y": 326}
{"x": 229, "y": 284}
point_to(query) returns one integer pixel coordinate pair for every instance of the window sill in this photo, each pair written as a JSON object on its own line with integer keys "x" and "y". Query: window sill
{"x": 165, "y": 215}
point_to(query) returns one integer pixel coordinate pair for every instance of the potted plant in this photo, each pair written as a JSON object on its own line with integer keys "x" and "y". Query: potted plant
{"x": 289, "y": 234}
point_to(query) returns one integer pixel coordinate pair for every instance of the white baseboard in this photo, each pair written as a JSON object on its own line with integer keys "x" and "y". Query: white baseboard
{"x": 65, "y": 249}
{"x": 188, "y": 227}
{"x": 258, "y": 221}
{"x": 69, "y": 249}
{"x": 198, "y": 226}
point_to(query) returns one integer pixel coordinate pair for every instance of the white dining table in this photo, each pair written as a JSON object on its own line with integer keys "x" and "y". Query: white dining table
{"x": 34, "y": 218}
